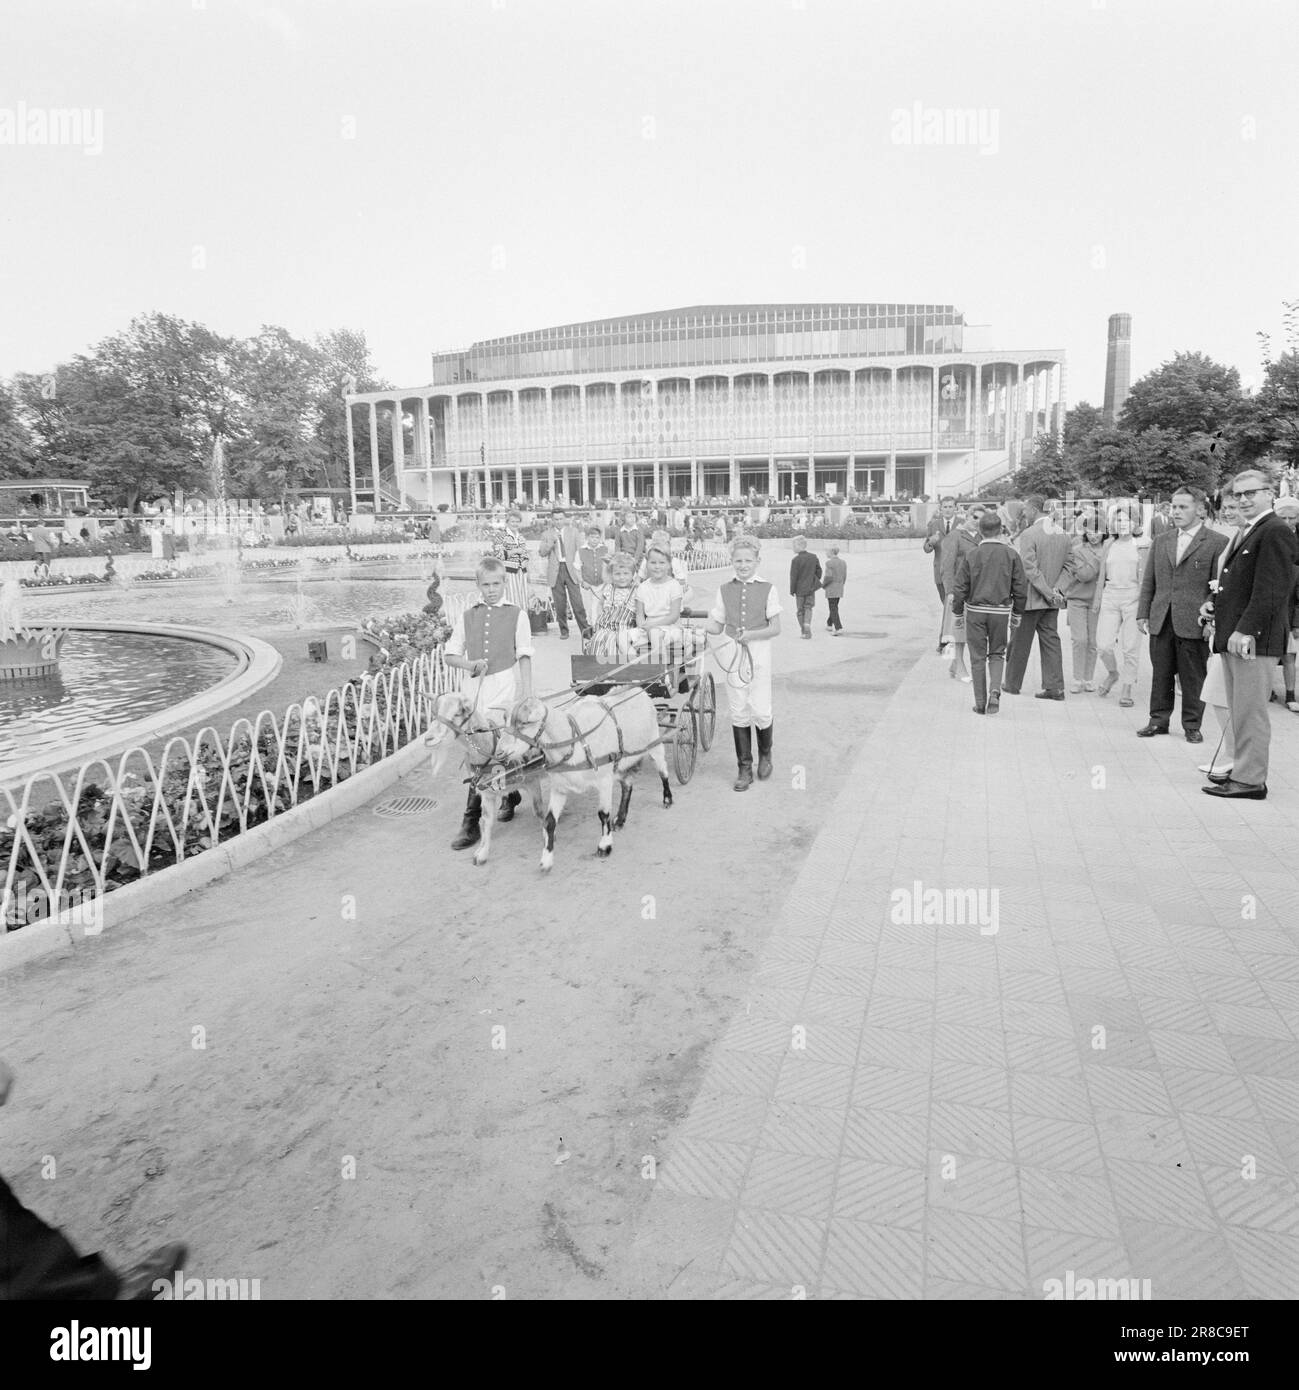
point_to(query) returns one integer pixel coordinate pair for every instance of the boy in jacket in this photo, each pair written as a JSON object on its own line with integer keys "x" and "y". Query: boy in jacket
{"x": 990, "y": 589}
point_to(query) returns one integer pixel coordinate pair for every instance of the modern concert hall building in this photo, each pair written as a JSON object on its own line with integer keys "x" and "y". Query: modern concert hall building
{"x": 787, "y": 400}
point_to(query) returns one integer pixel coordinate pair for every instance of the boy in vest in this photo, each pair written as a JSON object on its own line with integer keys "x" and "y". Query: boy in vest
{"x": 990, "y": 588}
{"x": 592, "y": 555}
{"x": 748, "y": 612}
{"x": 493, "y": 642}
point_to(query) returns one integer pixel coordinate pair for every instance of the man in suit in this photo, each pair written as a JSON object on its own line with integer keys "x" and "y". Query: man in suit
{"x": 804, "y": 580}
{"x": 1047, "y": 553}
{"x": 939, "y": 528}
{"x": 1174, "y": 587}
{"x": 836, "y": 574}
{"x": 559, "y": 546}
{"x": 1250, "y": 623}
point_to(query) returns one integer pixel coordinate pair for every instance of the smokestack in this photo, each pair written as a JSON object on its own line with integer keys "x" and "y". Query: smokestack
{"x": 1118, "y": 366}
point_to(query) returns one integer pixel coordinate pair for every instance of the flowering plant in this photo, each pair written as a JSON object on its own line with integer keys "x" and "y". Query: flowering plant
{"x": 538, "y": 605}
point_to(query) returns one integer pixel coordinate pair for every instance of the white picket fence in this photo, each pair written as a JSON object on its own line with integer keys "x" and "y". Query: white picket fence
{"x": 64, "y": 837}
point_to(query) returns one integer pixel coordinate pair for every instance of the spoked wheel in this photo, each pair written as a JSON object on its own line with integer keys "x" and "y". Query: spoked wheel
{"x": 706, "y": 710}
{"x": 683, "y": 746}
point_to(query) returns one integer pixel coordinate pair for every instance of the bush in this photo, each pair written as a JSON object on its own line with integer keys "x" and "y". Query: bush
{"x": 11, "y": 549}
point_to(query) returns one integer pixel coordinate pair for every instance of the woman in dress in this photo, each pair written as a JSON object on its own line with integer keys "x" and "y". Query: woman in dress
{"x": 1118, "y": 587}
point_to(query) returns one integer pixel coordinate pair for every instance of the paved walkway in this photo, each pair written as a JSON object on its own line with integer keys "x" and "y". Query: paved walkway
{"x": 1107, "y": 1085}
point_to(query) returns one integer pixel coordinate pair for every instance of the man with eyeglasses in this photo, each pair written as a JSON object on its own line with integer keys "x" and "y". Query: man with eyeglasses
{"x": 1251, "y": 624}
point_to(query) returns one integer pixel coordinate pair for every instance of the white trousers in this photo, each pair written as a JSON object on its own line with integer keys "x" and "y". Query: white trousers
{"x": 749, "y": 700}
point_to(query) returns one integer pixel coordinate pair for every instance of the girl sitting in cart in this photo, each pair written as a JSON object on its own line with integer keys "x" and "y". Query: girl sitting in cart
{"x": 659, "y": 601}
{"x": 615, "y": 638}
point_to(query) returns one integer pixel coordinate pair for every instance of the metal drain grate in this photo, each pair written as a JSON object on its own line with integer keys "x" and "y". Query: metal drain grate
{"x": 407, "y": 806}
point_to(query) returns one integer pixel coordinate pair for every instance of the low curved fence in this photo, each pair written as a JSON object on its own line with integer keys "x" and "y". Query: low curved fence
{"x": 72, "y": 839}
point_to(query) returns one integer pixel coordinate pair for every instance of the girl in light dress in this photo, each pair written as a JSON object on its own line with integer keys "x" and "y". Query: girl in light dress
{"x": 1118, "y": 587}
{"x": 659, "y": 600}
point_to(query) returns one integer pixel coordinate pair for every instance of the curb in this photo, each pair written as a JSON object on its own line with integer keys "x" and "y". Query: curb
{"x": 166, "y": 885}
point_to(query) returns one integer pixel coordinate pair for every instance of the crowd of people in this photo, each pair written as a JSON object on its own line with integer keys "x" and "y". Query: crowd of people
{"x": 1211, "y": 585}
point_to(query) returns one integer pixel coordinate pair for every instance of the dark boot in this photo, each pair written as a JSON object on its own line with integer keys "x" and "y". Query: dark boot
{"x": 764, "y": 753}
{"x": 506, "y": 813}
{"x": 469, "y": 831}
{"x": 744, "y": 756}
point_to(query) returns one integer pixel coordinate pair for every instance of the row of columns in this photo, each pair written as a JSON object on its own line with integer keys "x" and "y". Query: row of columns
{"x": 423, "y": 451}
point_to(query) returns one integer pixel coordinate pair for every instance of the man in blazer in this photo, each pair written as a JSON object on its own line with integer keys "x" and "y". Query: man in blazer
{"x": 836, "y": 574}
{"x": 939, "y": 528}
{"x": 804, "y": 581}
{"x": 1047, "y": 553}
{"x": 1250, "y": 617}
{"x": 559, "y": 546}
{"x": 1174, "y": 587}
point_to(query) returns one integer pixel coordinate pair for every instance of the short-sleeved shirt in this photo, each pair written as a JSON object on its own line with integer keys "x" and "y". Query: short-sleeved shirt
{"x": 657, "y": 599}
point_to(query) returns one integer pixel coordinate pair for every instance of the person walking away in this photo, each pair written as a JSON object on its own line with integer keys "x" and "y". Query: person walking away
{"x": 492, "y": 640}
{"x": 1047, "y": 554}
{"x": 1088, "y": 544}
{"x": 1251, "y": 611}
{"x": 747, "y": 613}
{"x": 956, "y": 547}
{"x": 938, "y": 529}
{"x": 43, "y": 545}
{"x": 989, "y": 591}
{"x": 1118, "y": 591}
{"x": 804, "y": 580}
{"x": 836, "y": 574}
{"x": 1174, "y": 587}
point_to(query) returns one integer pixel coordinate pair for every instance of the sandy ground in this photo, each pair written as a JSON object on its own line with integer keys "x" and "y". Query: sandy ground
{"x": 346, "y": 991}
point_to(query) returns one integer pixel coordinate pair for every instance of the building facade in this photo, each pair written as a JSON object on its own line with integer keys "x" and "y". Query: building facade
{"x": 712, "y": 401}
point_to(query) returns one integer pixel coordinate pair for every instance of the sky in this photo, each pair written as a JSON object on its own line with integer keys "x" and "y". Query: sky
{"x": 441, "y": 172}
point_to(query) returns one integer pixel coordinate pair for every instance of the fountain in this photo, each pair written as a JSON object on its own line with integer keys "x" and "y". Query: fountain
{"x": 25, "y": 653}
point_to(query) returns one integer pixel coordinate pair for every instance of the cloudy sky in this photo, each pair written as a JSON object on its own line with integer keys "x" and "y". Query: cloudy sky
{"x": 448, "y": 170}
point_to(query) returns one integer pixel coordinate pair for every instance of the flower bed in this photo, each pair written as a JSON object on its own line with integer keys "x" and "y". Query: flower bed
{"x": 62, "y": 581}
{"x": 402, "y": 637}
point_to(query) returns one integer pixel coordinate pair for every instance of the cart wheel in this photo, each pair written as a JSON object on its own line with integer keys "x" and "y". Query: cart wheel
{"x": 683, "y": 746}
{"x": 706, "y": 710}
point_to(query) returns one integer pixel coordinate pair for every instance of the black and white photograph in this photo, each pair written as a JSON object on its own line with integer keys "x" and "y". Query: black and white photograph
{"x": 647, "y": 654}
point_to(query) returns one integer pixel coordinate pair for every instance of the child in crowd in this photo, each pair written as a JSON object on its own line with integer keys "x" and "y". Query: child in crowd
{"x": 592, "y": 555}
{"x": 748, "y": 612}
{"x": 615, "y": 638}
{"x": 1118, "y": 588}
{"x": 989, "y": 590}
{"x": 492, "y": 640}
{"x": 659, "y": 600}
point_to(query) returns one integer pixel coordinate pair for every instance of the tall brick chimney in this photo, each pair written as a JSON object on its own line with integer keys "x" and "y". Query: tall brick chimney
{"x": 1118, "y": 366}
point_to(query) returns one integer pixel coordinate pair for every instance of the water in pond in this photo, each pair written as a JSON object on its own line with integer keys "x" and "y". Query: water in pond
{"x": 104, "y": 679}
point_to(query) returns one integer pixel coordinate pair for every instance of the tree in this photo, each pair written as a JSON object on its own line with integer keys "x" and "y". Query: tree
{"x": 17, "y": 447}
{"x": 1049, "y": 472}
{"x": 1190, "y": 395}
{"x": 345, "y": 367}
{"x": 279, "y": 450}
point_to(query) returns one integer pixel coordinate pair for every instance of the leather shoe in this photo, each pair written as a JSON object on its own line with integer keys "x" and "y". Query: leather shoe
{"x": 1151, "y": 730}
{"x": 1237, "y": 791}
{"x": 1219, "y": 777}
{"x": 1006, "y": 690}
{"x": 1049, "y": 695}
{"x": 1194, "y": 736}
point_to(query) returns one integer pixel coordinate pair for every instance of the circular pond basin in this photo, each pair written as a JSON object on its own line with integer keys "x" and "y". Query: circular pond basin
{"x": 104, "y": 679}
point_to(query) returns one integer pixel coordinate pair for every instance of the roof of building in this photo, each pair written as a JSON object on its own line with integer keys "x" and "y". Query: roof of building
{"x": 29, "y": 483}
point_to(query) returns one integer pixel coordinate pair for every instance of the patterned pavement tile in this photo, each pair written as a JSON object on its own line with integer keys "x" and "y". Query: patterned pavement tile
{"x": 1269, "y": 1201}
{"x": 1053, "y": 1253}
{"x": 979, "y": 1186}
{"x": 953, "y": 1042}
{"x": 756, "y": 1035}
{"x": 975, "y": 1250}
{"x": 1115, "y": 1088}
{"x": 743, "y": 1073}
{"x": 1160, "y": 1192}
{"x": 829, "y": 1042}
{"x": 1059, "y": 1201}
{"x": 1193, "y": 1051}
{"x": 1211, "y": 1093}
{"x": 1116, "y": 1015}
{"x": 678, "y": 1227}
{"x": 908, "y": 1015}
{"x": 886, "y": 1136}
{"x": 1181, "y": 1262}
{"x": 1242, "y": 991}
{"x": 985, "y": 1086}
{"x": 764, "y": 1002}
{"x": 884, "y": 1193}
{"x": 1142, "y": 1137}
{"x": 1277, "y": 1097}
{"x": 1062, "y": 1097}
{"x": 775, "y": 1248}
{"x": 888, "y": 1088}
{"x": 784, "y": 974}
{"x": 841, "y": 979}
{"x": 874, "y": 1261}
{"x": 967, "y": 1129}
{"x": 904, "y": 984}
{"x": 968, "y": 1010}
{"x": 1029, "y": 1016}
{"x": 855, "y": 955}
{"x": 701, "y": 1168}
{"x": 1257, "y": 1023}
{"x": 727, "y": 1119}
{"x": 731, "y": 1290}
{"x": 1228, "y": 1140}
{"x": 810, "y": 1082}
{"x": 1043, "y": 1142}
{"x": 891, "y": 1047}
{"x": 956, "y": 1292}
{"x": 803, "y": 1129}
{"x": 1172, "y": 986}
{"x": 1034, "y": 986}
{"x": 1040, "y": 1053}
{"x": 796, "y": 1184}
{"x": 1262, "y": 1056}
{"x": 845, "y": 1010}
{"x": 1268, "y": 1262}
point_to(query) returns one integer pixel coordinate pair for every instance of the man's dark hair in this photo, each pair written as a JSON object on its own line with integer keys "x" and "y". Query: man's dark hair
{"x": 1194, "y": 493}
{"x": 1037, "y": 502}
{"x": 941, "y": 500}
{"x": 990, "y": 524}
